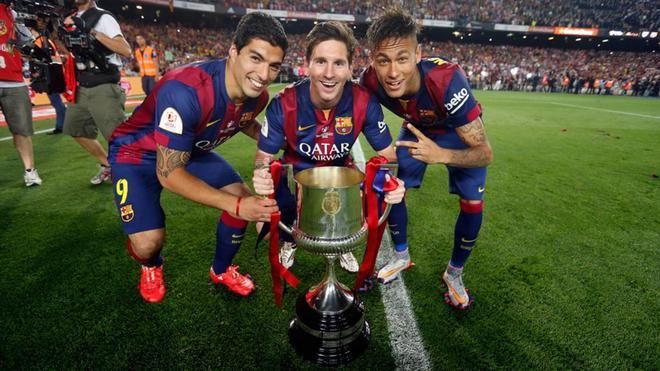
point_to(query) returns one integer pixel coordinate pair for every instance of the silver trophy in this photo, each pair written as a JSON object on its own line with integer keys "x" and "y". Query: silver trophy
{"x": 329, "y": 327}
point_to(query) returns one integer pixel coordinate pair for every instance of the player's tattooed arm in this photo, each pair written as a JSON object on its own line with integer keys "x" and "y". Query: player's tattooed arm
{"x": 168, "y": 160}
{"x": 479, "y": 152}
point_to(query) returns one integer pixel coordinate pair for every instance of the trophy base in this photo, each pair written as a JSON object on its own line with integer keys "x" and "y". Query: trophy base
{"x": 329, "y": 338}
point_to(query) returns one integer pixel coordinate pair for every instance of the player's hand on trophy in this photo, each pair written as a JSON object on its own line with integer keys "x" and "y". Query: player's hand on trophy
{"x": 261, "y": 179}
{"x": 256, "y": 209}
{"x": 395, "y": 196}
{"x": 263, "y": 182}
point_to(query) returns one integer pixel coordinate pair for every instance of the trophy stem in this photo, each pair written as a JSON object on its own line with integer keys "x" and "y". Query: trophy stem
{"x": 330, "y": 296}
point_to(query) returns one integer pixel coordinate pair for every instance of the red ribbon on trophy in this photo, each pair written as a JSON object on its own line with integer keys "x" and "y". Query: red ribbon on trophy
{"x": 277, "y": 270}
{"x": 375, "y": 232}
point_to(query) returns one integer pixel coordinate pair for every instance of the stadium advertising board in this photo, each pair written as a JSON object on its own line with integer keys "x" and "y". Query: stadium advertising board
{"x": 574, "y": 31}
{"x": 438, "y": 23}
{"x": 541, "y": 29}
{"x": 154, "y": 2}
{"x": 511, "y": 27}
{"x": 304, "y": 15}
{"x": 194, "y": 6}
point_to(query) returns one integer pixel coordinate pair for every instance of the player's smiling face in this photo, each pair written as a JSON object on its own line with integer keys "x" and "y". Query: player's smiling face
{"x": 395, "y": 62}
{"x": 328, "y": 72}
{"x": 252, "y": 69}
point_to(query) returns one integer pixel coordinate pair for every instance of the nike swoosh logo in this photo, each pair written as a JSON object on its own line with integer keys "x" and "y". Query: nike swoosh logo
{"x": 303, "y": 128}
{"x": 454, "y": 293}
{"x": 237, "y": 236}
{"x": 212, "y": 122}
{"x": 481, "y": 189}
{"x": 467, "y": 241}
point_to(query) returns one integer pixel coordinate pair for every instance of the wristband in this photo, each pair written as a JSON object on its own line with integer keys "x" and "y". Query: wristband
{"x": 238, "y": 205}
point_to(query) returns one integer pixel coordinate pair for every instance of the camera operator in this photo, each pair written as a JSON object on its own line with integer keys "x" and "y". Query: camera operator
{"x": 14, "y": 96}
{"x": 54, "y": 84}
{"x": 99, "y": 103}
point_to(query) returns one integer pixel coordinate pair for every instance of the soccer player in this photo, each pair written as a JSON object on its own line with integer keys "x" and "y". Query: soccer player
{"x": 168, "y": 142}
{"x": 319, "y": 118}
{"x": 442, "y": 125}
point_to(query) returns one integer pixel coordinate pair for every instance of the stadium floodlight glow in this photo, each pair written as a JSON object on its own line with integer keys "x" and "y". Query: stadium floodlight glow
{"x": 551, "y": 38}
{"x": 138, "y": 7}
{"x": 456, "y": 33}
{"x": 524, "y": 36}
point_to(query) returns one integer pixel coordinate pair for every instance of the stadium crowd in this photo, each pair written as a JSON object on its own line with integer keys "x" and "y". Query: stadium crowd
{"x": 487, "y": 66}
{"x": 629, "y": 14}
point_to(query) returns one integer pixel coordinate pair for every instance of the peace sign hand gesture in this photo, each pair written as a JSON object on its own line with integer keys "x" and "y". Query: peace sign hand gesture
{"x": 424, "y": 149}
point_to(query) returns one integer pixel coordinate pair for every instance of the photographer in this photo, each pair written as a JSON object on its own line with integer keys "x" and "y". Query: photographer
{"x": 14, "y": 97}
{"x": 54, "y": 84}
{"x": 99, "y": 104}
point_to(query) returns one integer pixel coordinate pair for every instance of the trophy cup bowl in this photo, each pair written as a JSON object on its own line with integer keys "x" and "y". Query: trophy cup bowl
{"x": 329, "y": 327}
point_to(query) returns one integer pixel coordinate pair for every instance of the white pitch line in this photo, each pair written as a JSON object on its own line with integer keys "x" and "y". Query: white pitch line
{"x": 36, "y": 132}
{"x": 405, "y": 339}
{"x": 606, "y": 110}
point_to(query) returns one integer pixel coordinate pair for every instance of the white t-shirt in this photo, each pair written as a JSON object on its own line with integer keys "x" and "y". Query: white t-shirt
{"x": 109, "y": 26}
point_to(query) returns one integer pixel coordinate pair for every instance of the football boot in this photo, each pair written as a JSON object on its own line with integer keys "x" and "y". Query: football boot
{"x": 287, "y": 254}
{"x": 391, "y": 270}
{"x": 152, "y": 286}
{"x": 348, "y": 262}
{"x": 457, "y": 295}
{"x": 235, "y": 282}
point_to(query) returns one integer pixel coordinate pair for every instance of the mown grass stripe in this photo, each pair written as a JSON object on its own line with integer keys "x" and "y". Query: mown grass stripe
{"x": 407, "y": 345}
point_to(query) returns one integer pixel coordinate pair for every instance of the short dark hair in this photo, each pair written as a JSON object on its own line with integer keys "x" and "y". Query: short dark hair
{"x": 261, "y": 26}
{"x": 394, "y": 23}
{"x": 331, "y": 30}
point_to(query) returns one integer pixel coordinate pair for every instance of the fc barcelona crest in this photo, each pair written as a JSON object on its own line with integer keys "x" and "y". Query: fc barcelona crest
{"x": 331, "y": 202}
{"x": 127, "y": 213}
{"x": 343, "y": 125}
{"x": 427, "y": 114}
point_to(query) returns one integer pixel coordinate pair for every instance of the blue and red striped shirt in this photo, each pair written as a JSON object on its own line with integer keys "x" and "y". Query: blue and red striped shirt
{"x": 189, "y": 110}
{"x": 443, "y": 102}
{"x": 316, "y": 137}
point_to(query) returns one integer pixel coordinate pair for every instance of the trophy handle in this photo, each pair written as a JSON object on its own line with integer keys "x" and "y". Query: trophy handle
{"x": 292, "y": 187}
{"x": 395, "y": 168}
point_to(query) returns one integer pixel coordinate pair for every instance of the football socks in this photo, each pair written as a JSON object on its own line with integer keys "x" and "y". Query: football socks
{"x": 398, "y": 221}
{"x": 229, "y": 235}
{"x": 466, "y": 231}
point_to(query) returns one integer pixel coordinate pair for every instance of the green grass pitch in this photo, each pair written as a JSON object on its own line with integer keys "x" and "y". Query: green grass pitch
{"x": 565, "y": 273}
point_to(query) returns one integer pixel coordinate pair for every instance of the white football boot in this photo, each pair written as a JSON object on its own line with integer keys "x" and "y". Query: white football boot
{"x": 287, "y": 254}
{"x": 457, "y": 295}
{"x": 397, "y": 264}
{"x": 348, "y": 262}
